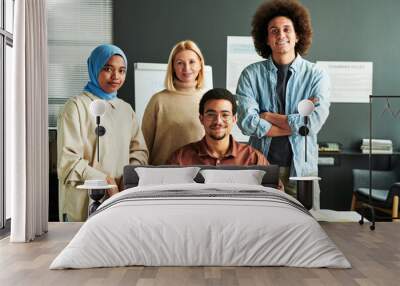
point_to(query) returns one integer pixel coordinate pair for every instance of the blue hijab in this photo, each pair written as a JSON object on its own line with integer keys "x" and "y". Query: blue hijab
{"x": 96, "y": 61}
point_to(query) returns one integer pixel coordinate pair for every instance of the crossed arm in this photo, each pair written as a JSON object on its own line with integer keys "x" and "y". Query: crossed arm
{"x": 280, "y": 125}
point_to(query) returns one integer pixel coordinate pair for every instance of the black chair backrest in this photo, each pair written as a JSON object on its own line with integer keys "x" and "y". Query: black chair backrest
{"x": 270, "y": 179}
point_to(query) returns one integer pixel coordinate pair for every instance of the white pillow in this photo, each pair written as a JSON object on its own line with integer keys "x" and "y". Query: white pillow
{"x": 249, "y": 177}
{"x": 165, "y": 176}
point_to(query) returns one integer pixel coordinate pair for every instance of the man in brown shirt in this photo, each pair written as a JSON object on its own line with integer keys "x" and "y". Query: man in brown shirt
{"x": 217, "y": 110}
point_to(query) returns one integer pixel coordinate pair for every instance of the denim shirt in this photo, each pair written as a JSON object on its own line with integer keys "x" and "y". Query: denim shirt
{"x": 256, "y": 93}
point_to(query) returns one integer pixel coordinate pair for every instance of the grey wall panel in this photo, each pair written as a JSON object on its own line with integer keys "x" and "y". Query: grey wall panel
{"x": 344, "y": 30}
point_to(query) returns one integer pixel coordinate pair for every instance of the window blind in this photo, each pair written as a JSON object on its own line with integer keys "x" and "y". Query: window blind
{"x": 75, "y": 28}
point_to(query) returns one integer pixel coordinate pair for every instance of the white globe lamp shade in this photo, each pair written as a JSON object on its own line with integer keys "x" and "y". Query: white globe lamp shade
{"x": 305, "y": 107}
{"x": 97, "y": 107}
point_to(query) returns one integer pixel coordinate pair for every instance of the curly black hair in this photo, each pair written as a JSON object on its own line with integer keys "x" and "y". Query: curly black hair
{"x": 291, "y": 9}
{"x": 217, "y": 93}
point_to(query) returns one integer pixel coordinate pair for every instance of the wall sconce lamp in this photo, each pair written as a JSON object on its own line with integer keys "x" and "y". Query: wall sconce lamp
{"x": 305, "y": 183}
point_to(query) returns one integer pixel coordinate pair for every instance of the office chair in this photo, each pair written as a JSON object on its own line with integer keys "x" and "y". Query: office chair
{"x": 384, "y": 193}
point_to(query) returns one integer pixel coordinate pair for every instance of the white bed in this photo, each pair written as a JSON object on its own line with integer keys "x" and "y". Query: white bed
{"x": 201, "y": 224}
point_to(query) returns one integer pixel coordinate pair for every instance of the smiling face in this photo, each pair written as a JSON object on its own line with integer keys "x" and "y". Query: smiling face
{"x": 112, "y": 75}
{"x": 187, "y": 66}
{"x": 218, "y": 119}
{"x": 282, "y": 37}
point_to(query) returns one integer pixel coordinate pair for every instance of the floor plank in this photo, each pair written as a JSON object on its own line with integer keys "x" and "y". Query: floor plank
{"x": 374, "y": 255}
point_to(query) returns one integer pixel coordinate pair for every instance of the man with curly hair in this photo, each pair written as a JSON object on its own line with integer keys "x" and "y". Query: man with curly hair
{"x": 269, "y": 91}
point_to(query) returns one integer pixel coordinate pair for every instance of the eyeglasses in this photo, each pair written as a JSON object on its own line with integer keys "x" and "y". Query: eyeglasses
{"x": 213, "y": 116}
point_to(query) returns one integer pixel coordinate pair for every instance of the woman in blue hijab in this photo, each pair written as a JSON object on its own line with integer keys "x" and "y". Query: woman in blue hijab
{"x": 96, "y": 64}
{"x": 121, "y": 144}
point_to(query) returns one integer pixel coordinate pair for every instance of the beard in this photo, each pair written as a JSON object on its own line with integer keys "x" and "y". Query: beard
{"x": 215, "y": 136}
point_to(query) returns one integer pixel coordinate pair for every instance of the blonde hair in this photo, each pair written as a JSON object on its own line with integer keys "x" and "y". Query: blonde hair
{"x": 182, "y": 46}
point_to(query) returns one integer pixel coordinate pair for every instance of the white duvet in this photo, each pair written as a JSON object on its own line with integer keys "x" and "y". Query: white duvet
{"x": 185, "y": 230}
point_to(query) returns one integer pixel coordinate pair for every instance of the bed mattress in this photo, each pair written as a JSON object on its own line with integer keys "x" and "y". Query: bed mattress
{"x": 201, "y": 225}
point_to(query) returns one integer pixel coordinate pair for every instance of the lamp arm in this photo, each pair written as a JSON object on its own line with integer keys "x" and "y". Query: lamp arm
{"x": 98, "y": 138}
{"x": 305, "y": 148}
{"x": 303, "y": 131}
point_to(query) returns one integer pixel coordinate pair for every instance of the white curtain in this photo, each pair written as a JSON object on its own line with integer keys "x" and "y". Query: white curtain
{"x": 26, "y": 128}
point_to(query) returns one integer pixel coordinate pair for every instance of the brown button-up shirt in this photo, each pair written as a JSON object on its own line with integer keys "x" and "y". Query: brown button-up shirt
{"x": 197, "y": 153}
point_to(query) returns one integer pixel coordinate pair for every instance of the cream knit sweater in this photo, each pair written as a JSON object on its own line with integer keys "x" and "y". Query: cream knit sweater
{"x": 170, "y": 121}
{"x": 122, "y": 144}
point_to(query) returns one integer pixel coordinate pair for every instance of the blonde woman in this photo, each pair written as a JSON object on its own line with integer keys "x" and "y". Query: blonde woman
{"x": 171, "y": 118}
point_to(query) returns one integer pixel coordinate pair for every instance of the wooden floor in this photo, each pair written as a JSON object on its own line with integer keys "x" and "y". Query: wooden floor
{"x": 374, "y": 255}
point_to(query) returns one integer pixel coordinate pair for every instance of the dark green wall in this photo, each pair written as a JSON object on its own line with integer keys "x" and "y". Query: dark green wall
{"x": 344, "y": 30}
